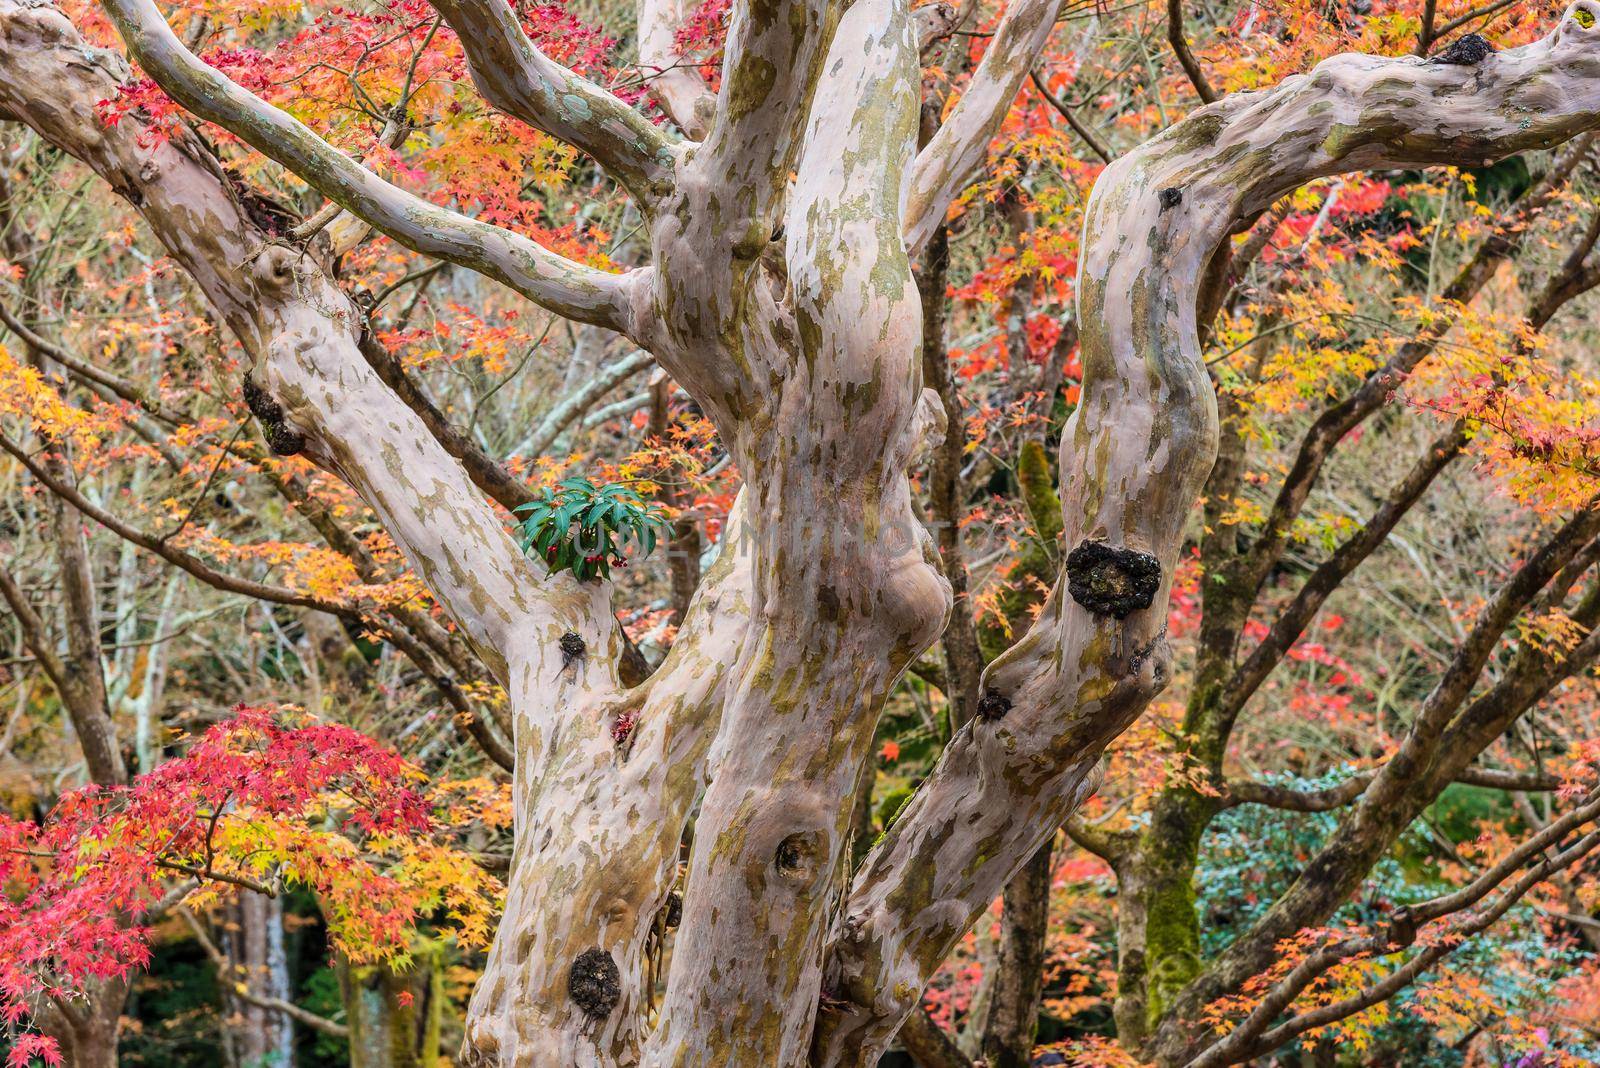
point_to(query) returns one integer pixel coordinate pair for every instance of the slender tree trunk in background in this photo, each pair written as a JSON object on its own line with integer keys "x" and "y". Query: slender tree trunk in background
{"x": 964, "y": 661}
{"x": 394, "y": 1015}
{"x": 85, "y": 1028}
{"x": 253, "y": 942}
{"x": 1013, "y": 1018}
{"x": 683, "y": 546}
{"x": 1158, "y": 928}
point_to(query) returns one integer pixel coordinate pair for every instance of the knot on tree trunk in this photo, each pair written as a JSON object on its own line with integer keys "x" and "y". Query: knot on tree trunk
{"x": 992, "y": 705}
{"x": 1109, "y": 581}
{"x": 595, "y": 983}
{"x": 1467, "y": 51}
{"x": 269, "y": 413}
{"x": 573, "y": 647}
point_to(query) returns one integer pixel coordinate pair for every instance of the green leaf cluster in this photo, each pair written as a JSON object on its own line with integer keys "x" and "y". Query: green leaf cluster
{"x": 582, "y": 527}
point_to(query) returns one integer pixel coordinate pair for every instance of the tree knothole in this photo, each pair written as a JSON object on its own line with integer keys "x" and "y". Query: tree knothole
{"x": 1109, "y": 581}
{"x": 595, "y": 983}
{"x": 796, "y": 857}
{"x": 269, "y": 413}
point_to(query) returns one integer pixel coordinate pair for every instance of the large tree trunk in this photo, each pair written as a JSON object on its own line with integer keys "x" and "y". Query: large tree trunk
{"x": 789, "y": 312}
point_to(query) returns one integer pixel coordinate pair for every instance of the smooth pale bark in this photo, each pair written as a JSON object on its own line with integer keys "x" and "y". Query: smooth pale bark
{"x": 1133, "y": 457}
{"x": 788, "y": 311}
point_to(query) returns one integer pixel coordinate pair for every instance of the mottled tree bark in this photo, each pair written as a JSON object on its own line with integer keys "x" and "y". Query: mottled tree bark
{"x": 789, "y": 312}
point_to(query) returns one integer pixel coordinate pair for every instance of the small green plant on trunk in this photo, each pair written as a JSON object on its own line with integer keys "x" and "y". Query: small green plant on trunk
{"x": 581, "y": 527}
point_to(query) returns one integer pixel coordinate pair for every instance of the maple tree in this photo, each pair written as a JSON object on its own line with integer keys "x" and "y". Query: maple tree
{"x": 943, "y": 723}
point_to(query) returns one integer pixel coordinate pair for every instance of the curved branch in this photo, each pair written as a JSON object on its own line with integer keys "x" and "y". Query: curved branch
{"x": 1133, "y": 458}
{"x": 550, "y": 280}
{"x": 176, "y": 557}
{"x": 514, "y": 76}
{"x": 1180, "y": 48}
{"x": 946, "y": 165}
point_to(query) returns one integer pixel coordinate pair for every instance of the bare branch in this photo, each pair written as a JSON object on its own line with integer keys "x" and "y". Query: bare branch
{"x": 572, "y": 408}
{"x": 1180, "y": 48}
{"x": 1078, "y": 127}
{"x": 552, "y": 281}
{"x": 1335, "y": 422}
{"x": 1238, "y": 1046}
{"x": 514, "y": 76}
{"x": 1283, "y": 797}
{"x": 236, "y": 983}
{"x": 1328, "y": 576}
{"x": 948, "y": 162}
{"x": 1153, "y": 222}
{"x": 121, "y": 387}
{"x": 160, "y": 547}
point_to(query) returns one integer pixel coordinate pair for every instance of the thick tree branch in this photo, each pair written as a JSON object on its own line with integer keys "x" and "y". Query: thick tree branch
{"x": 564, "y": 287}
{"x": 514, "y": 76}
{"x": 310, "y": 382}
{"x": 946, "y": 165}
{"x": 1131, "y": 467}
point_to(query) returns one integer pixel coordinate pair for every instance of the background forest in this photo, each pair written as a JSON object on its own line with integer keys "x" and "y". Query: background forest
{"x": 309, "y": 766}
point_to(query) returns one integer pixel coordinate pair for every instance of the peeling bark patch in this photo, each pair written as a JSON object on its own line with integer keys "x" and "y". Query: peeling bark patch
{"x": 269, "y": 413}
{"x": 1112, "y": 582}
{"x": 1467, "y": 51}
{"x": 1169, "y": 198}
{"x": 1137, "y": 661}
{"x": 595, "y": 983}
{"x": 993, "y": 706}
